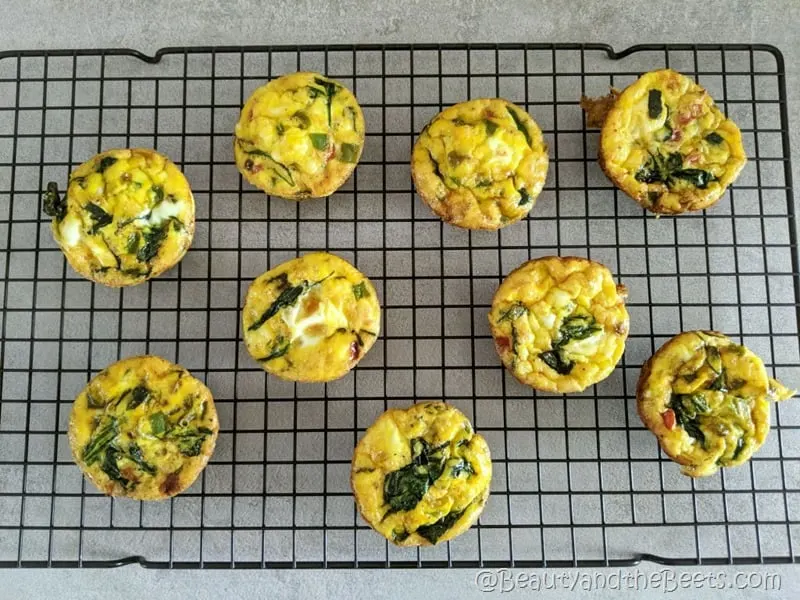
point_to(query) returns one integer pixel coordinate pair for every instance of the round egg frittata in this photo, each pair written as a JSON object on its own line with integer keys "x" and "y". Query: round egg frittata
{"x": 126, "y": 216}
{"x": 299, "y": 136}
{"x": 480, "y": 164}
{"x": 707, "y": 399}
{"x": 666, "y": 144}
{"x": 560, "y": 323}
{"x": 311, "y": 319}
{"x": 421, "y": 476}
{"x": 143, "y": 428}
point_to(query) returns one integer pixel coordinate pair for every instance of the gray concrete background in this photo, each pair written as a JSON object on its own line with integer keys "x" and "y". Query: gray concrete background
{"x": 149, "y": 25}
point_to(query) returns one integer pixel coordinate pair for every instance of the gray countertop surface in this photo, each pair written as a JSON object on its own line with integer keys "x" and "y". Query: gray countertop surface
{"x": 149, "y": 25}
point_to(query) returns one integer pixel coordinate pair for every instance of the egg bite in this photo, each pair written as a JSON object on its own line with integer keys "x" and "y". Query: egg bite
{"x": 560, "y": 323}
{"x": 143, "y": 428}
{"x": 707, "y": 400}
{"x": 666, "y": 144}
{"x": 311, "y": 319}
{"x": 421, "y": 476}
{"x": 480, "y": 164}
{"x": 299, "y": 136}
{"x": 126, "y": 216}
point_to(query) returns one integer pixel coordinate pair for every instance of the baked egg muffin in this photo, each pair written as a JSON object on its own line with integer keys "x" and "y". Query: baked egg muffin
{"x": 666, "y": 144}
{"x": 560, "y": 323}
{"x": 421, "y": 476}
{"x": 480, "y": 164}
{"x": 126, "y": 216}
{"x": 143, "y": 428}
{"x": 311, "y": 319}
{"x": 299, "y": 136}
{"x": 707, "y": 399}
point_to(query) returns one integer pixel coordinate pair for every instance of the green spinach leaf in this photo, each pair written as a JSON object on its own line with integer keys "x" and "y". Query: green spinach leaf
{"x": 654, "y": 107}
{"x": 135, "y": 454}
{"x": 348, "y": 153}
{"x": 279, "y": 348}
{"x": 54, "y": 205}
{"x": 281, "y": 170}
{"x": 556, "y": 361}
{"x": 330, "y": 91}
{"x": 525, "y": 197}
{"x": 434, "y": 531}
{"x": 104, "y": 163}
{"x": 153, "y": 238}
{"x": 462, "y": 466}
{"x": 714, "y": 138}
{"x": 491, "y": 127}
{"x": 100, "y": 218}
{"x": 190, "y": 441}
{"x": 513, "y": 313}
{"x": 404, "y": 488}
{"x": 520, "y": 125}
{"x": 139, "y": 394}
{"x": 100, "y": 441}
{"x": 110, "y": 467}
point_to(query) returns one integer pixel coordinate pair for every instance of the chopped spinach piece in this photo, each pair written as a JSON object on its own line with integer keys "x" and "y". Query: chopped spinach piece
{"x": 399, "y": 536}
{"x": 152, "y": 242}
{"x": 520, "y": 125}
{"x": 360, "y": 290}
{"x": 434, "y": 531}
{"x": 100, "y": 218}
{"x": 349, "y": 153}
{"x": 280, "y": 169}
{"x": 279, "y": 348}
{"x": 93, "y": 402}
{"x": 660, "y": 169}
{"x": 54, "y": 205}
{"x": 100, "y": 441}
{"x": 714, "y": 138}
{"x": 404, "y": 488}
{"x": 513, "y": 313}
{"x": 697, "y": 177}
{"x": 525, "y": 197}
{"x": 319, "y": 141}
{"x": 177, "y": 224}
{"x": 286, "y": 298}
{"x": 330, "y": 91}
{"x": 110, "y": 467}
{"x": 158, "y": 194}
{"x": 133, "y": 242}
{"x": 687, "y": 408}
{"x": 462, "y": 466}
{"x": 739, "y": 448}
{"x": 139, "y": 394}
{"x": 158, "y": 424}
{"x": 437, "y": 171}
{"x": 282, "y": 279}
{"x": 104, "y": 163}
{"x": 491, "y": 126}
{"x": 556, "y": 361}
{"x": 135, "y": 454}
{"x": 190, "y": 441}
{"x": 574, "y": 327}
{"x": 654, "y": 104}
{"x": 304, "y": 122}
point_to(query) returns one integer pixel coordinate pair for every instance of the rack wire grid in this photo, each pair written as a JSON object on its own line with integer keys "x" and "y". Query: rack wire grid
{"x": 577, "y": 480}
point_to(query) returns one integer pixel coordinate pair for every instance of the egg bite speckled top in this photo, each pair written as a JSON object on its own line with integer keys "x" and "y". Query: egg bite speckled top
{"x": 299, "y": 136}
{"x": 707, "y": 399}
{"x": 127, "y": 216}
{"x": 480, "y": 164}
{"x": 666, "y": 144}
{"x": 560, "y": 323}
{"x": 143, "y": 428}
{"x": 311, "y": 318}
{"x": 421, "y": 476}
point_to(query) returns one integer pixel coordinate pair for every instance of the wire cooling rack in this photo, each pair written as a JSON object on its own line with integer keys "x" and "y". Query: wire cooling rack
{"x": 577, "y": 480}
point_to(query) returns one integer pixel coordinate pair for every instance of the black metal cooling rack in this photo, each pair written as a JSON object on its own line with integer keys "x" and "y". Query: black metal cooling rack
{"x": 578, "y": 481}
